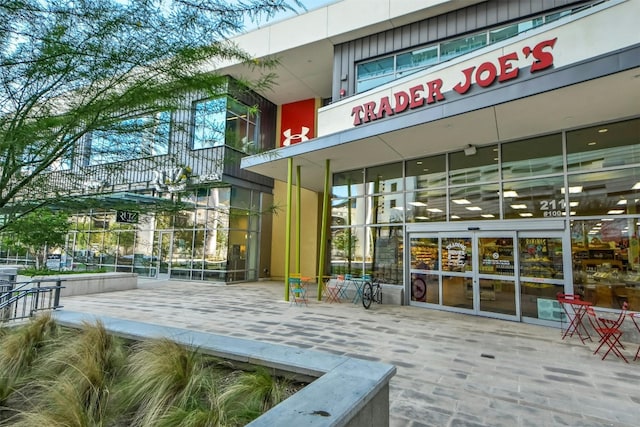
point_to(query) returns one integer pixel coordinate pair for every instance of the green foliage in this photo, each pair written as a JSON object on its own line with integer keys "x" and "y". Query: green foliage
{"x": 19, "y": 351}
{"x": 72, "y": 68}
{"x": 38, "y": 230}
{"x": 69, "y": 377}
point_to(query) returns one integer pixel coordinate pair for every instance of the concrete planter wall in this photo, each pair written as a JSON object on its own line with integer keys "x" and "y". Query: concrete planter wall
{"x": 345, "y": 392}
{"x": 90, "y": 283}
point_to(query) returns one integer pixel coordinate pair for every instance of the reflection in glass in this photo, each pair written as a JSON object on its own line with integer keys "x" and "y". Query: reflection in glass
{"x": 603, "y": 146}
{"x": 383, "y": 255}
{"x": 348, "y": 184}
{"x": 480, "y": 202}
{"x": 532, "y": 157}
{"x": 344, "y": 245}
{"x": 535, "y": 198}
{"x": 497, "y": 296}
{"x": 386, "y": 209}
{"x": 538, "y": 300}
{"x": 457, "y": 47}
{"x": 427, "y": 205}
{"x": 471, "y": 169}
{"x": 454, "y": 291}
{"x": 605, "y": 193}
{"x": 417, "y": 59}
{"x": 384, "y": 179}
{"x": 348, "y": 211}
{"x": 427, "y": 172}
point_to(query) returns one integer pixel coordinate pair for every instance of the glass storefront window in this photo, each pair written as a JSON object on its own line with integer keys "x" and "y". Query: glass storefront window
{"x": 604, "y": 146}
{"x": 457, "y": 47}
{"x": 479, "y": 202}
{"x": 541, "y": 257}
{"x": 348, "y": 211}
{"x": 472, "y": 169}
{"x": 384, "y": 179}
{"x": 348, "y": 184}
{"x": 606, "y": 261}
{"x": 417, "y": 59}
{"x": 383, "y": 253}
{"x": 535, "y": 198}
{"x": 427, "y": 205}
{"x": 614, "y": 192}
{"x": 131, "y": 139}
{"x": 386, "y": 209}
{"x": 457, "y": 291}
{"x": 222, "y": 121}
{"x": 427, "y": 172}
{"x": 375, "y": 70}
{"x": 347, "y": 250}
{"x": 532, "y": 157}
{"x": 424, "y": 253}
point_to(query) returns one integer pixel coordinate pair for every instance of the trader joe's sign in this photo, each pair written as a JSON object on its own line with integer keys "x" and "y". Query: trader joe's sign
{"x": 484, "y": 75}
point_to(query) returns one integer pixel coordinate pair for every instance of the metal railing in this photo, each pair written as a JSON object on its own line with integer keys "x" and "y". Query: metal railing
{"x": 21, "y": 300}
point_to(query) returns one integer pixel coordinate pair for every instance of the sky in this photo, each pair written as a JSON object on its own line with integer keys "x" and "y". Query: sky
{"x": 309, "y": 4}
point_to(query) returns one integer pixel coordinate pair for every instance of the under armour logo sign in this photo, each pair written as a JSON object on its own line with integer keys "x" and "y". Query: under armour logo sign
{"x": 296, "y": 137}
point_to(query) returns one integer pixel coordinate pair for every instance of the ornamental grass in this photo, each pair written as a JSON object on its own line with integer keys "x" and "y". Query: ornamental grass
{"x": 56, "y": 376}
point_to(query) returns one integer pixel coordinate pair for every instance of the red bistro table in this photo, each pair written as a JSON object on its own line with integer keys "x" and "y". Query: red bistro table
{"x": 575, "y": 309}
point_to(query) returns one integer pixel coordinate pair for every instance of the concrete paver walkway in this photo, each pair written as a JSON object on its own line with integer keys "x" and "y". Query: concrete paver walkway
{"x": 453, "y": 369}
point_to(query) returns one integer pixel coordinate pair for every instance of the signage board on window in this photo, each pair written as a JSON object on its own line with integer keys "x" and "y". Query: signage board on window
{"x": 127, "y": 217}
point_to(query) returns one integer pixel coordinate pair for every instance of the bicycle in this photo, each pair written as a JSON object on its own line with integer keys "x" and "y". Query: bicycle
{"x": 371, "y": 292}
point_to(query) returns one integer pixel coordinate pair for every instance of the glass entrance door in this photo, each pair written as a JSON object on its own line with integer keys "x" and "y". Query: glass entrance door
{"x": 162, "y": 254}
{"x": 503, "y": 274}
{"x": 495, "y": 284}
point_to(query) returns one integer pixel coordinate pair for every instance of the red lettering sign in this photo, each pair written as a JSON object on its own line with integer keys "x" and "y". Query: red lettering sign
{"x": 484, "y": 75}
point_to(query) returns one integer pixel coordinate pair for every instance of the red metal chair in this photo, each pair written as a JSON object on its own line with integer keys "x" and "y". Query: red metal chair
{"x": 609, "y": 331}
{"x": 635, "y": 316}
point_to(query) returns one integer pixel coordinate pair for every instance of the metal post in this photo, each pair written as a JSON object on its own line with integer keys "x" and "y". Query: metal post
{"x": 56, "y": 294}
{"x": 287, "y": 233}
{"x": 298, "y": 218}
{"x": 323, "y": 230}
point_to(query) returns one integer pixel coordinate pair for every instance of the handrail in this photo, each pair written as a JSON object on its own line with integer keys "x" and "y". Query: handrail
{"x": 25, "y": 300}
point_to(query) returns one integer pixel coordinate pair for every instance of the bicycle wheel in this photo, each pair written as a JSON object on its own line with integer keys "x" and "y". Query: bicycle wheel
{"x": 367, "y": 295}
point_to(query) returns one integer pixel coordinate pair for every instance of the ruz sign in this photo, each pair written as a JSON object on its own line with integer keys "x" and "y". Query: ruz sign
{"x": 127, "y": 217}
{"x": 484, "y": 75}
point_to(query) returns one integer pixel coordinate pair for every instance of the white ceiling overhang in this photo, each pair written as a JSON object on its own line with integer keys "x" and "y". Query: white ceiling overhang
{"x": 602, "y": 89}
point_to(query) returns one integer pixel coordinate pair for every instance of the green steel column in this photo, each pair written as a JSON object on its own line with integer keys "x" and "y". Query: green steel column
{"x": 298, "y": 218}
{"x": 287, "y": 232}
{"x": 323, "y": 230}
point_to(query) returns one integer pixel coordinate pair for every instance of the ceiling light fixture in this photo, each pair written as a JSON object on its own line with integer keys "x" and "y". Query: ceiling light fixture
{"x": 574, "y": 190}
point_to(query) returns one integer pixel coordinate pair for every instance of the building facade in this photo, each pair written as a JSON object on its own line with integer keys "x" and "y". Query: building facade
{"x": 482, "y": 155}
{"x": 169, "y": 200}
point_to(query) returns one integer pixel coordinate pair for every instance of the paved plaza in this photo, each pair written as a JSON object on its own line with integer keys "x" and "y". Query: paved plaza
{"x": 452, "y": 369}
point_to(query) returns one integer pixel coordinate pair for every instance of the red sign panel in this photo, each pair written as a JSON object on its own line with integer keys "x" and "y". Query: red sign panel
{"x": 298, "y": 122}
